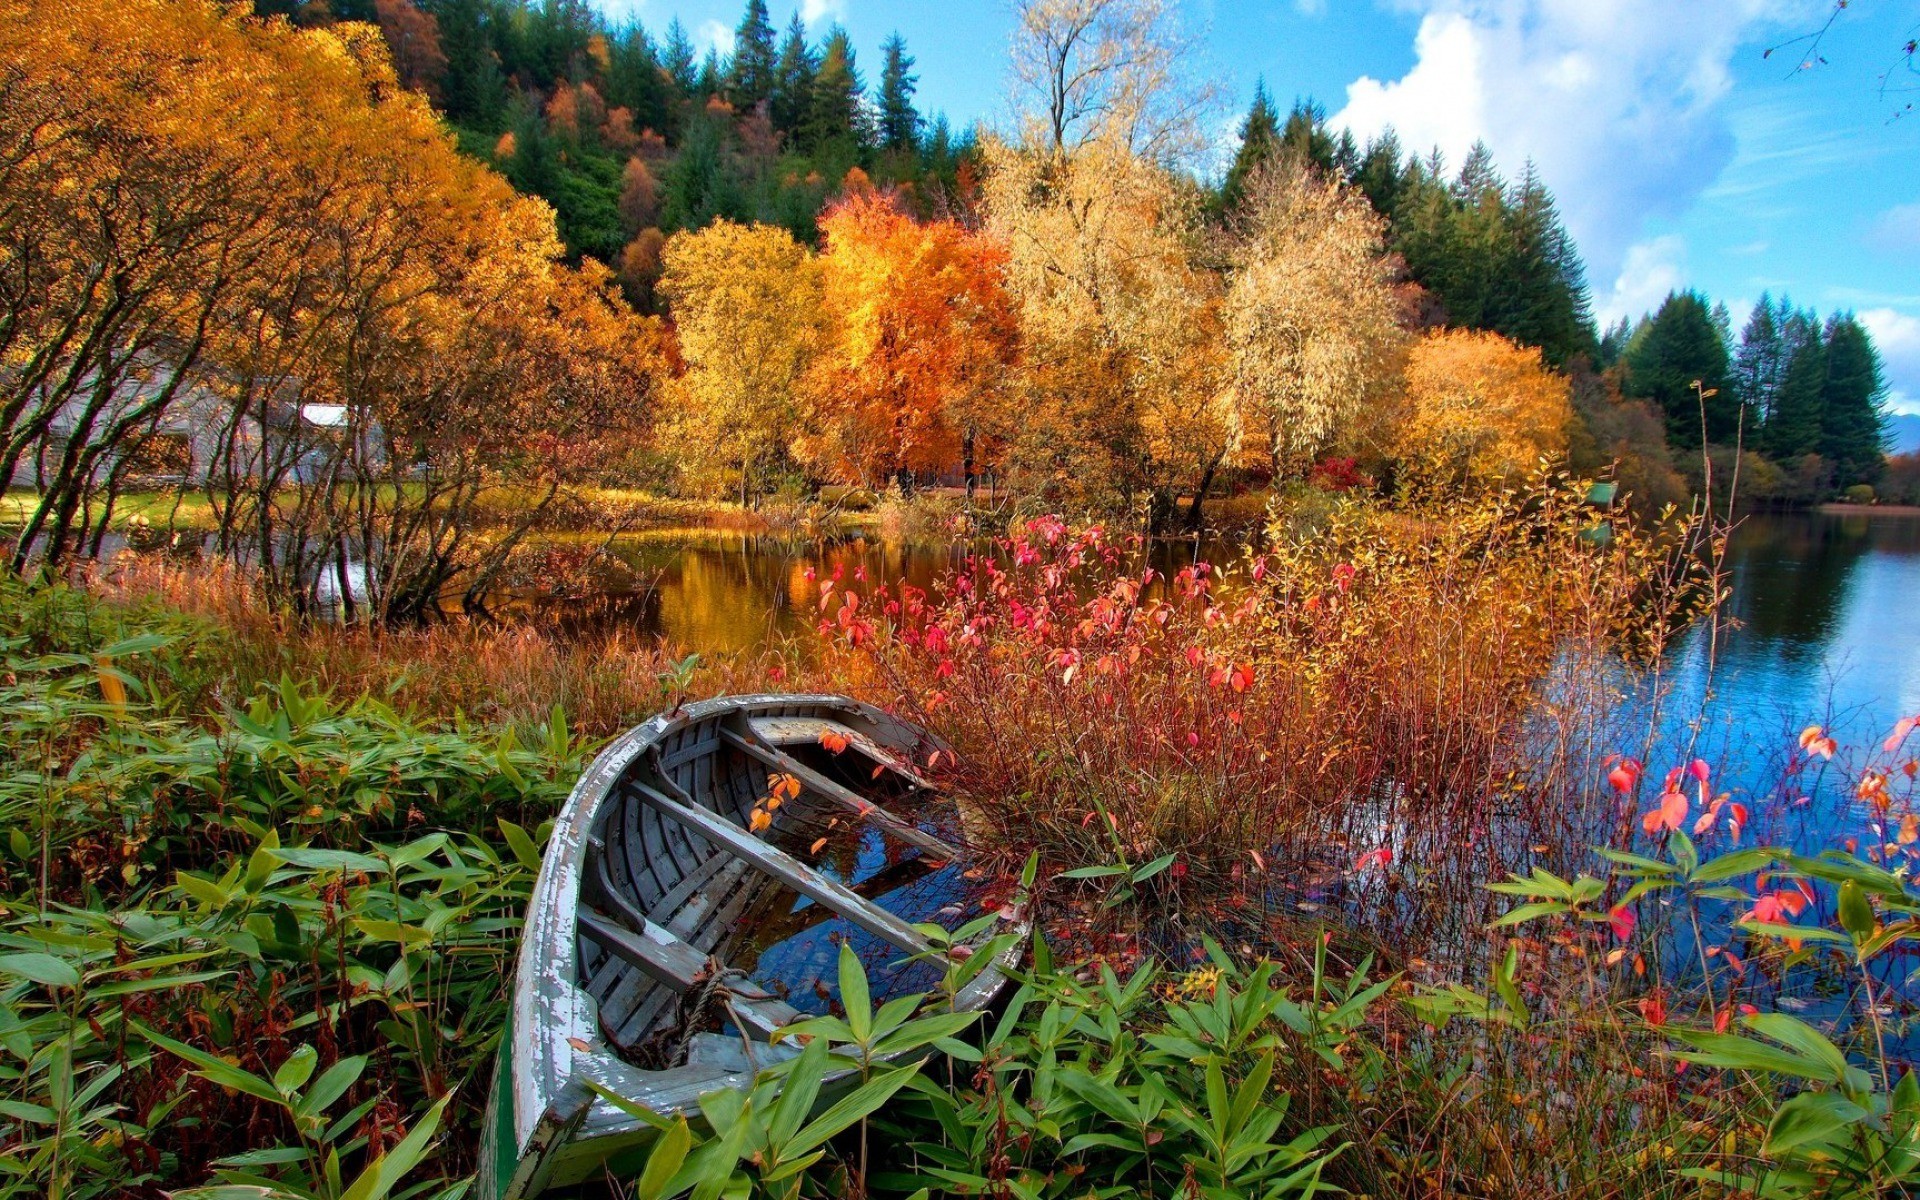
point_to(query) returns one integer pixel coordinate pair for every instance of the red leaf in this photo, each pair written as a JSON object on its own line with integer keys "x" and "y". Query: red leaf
{"x": 1623, "y": 920}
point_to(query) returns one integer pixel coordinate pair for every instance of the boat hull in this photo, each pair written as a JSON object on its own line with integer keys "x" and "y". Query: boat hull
{"x": 657, "y": 830}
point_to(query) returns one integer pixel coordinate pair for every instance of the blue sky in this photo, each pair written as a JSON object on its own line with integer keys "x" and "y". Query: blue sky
{"x": 1679, "y": 154}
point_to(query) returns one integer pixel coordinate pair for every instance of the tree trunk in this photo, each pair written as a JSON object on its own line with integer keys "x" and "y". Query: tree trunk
{"x": 1195, "y": 514}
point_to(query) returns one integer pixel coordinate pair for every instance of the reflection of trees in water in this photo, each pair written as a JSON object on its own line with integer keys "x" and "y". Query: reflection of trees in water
{"x": 1790, "y": 577}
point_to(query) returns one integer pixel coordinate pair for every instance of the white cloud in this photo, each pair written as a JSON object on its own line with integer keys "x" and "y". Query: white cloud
{"x": 1897, "y": 230}
{"x": 815, "y": 11}
{"x": 1618, "y": 102}
{"x": 1649, "y": 270}
{"x": 714, "y": 35}
{"x": 1897, "y": 336}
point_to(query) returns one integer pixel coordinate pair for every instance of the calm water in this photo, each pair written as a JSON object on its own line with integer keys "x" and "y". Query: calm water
{"x": 718, "y": 593}
{"x": 1824, "y": 628}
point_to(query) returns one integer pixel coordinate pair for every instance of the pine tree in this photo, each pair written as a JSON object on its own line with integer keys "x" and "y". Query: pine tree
{"x": 750, "y": 80}
{"x": 836, "y": 114}
{"x": 712, "y": 80}
{"x": 679, "y": 59}
{"x": 1852, "y": 416}
{"x": 1380, "y": 173}
{"x": 703, "y": 182}
{"x": 1614, "y": 343}
{"x": 472, "y": 88}
{"x": 637, "y": 82}
{"x": 1544, "y": 302}
{"x": 1259, "y": 140}
{"x": 1793, "y": 427}
{"x": 1760, "y": 362}
{"x": 1305, "y": 135}
{"x": 558, "y": 33}
{"x": 1680, "y": 346}
{"x": 793, "y": 80}
{"x": 899, "y": 120}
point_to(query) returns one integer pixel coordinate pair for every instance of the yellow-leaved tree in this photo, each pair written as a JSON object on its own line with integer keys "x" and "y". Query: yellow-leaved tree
{"x": 746, "y": 303}
{"x": 1312, "y": 321}
{"x": 1480, "y": 408}
{"x": 248, "y": 237}
{"x": 1121, "y": 385}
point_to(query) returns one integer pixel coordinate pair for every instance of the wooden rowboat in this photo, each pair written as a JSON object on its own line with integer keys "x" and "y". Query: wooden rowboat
{"x": 681, "y": 916}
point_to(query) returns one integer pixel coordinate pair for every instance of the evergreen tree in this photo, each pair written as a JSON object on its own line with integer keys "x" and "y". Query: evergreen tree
{"x": 1544, "y": 301}
{"x": 1761, "y": 361}
{"x": 472, "y": 89}
{"x": 1346, "y": 156}
{"x": 1614, "y": 344}
{"x": 899, "y": 120}
{"x": 1679, "y": 346}
{"x": 836, "y": 122}
{"x": 678, "y": 59}
{"x": 1259, "y": 140}
{"x": 793, "y": 80}
{"x": 750, "y": 80}
{"x": 558, "y": 33}
{"x": 1305, "y": 135}
{"x": 1793, "y": 427}
{"x": 637, "y": 82}
{"x": 1852, "y": 416}
{"x": 1380, "y": 172}
{"x": 712, "y": 80}
{"x": 703, "y": 181}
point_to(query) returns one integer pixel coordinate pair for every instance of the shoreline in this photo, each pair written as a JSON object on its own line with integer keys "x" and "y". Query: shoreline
{"x": 1838, "y": 509}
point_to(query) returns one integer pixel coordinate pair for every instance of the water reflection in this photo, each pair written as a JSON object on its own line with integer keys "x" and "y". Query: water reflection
{"x": 1822, "y": 628}
{"x": 724, "y": 593}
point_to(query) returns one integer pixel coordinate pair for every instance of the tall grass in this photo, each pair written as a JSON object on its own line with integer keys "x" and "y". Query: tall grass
{"x": 493, "y": 674}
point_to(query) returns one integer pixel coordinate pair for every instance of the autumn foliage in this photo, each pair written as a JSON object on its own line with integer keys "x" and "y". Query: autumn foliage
{"x": 1381, "y": 675}
{"x": 922, "y": 331}
{"x": 236, "y": 225}
{"x": 1480, "y": 408}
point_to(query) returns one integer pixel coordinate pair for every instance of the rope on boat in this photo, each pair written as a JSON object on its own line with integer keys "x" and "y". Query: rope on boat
{"x": 725, "y": 982}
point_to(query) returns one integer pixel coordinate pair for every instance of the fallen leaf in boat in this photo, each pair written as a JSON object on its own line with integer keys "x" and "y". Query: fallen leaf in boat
{"x": 579, "y": 1044}
{"x": 834, "y": 742}
{"x": 817, "y": 843}
{"x": 760, "y": 819}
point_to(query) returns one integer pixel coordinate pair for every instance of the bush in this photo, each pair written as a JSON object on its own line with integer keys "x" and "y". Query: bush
{"x": 1384, "y": 672}
{"x": 1859, "y": 493}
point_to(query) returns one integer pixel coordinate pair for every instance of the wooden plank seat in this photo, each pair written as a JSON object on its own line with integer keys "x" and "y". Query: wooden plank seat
{"x": 679, "y": 967}
{"x": 820, "y": 785}
{"x": 814, "y": 731}
{"x": 829, "y": 893}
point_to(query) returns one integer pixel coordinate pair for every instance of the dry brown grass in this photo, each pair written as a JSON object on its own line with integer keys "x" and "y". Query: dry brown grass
{"x": 509, "y": 674}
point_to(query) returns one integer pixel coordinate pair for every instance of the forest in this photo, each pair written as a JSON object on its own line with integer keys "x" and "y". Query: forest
{"x": 1386, "y": 846}
{"x": 588, "y": 226}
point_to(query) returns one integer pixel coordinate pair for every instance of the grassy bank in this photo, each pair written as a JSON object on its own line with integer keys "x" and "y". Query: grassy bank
{"x": 261, "y": 884}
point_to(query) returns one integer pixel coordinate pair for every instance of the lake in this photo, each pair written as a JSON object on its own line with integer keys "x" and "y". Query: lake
{"x": 1822, "y": 627}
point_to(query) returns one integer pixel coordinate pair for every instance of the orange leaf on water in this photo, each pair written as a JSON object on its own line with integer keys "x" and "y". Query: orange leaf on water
{"x": 834, "y": 742}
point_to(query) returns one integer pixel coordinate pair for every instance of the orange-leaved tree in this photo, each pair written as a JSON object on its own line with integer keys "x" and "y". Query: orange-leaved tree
{"x": 920, "y": 333}
{"x": 1480, "y": 408}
